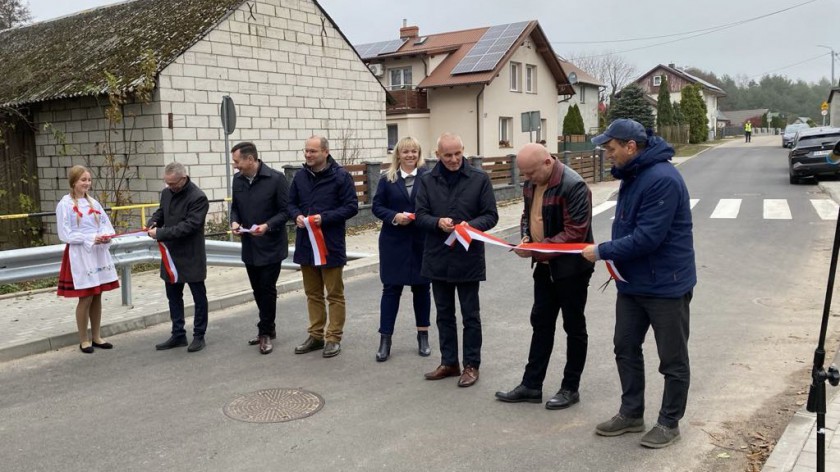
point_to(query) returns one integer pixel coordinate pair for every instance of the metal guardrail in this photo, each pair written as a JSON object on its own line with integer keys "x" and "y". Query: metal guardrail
{"x": 19, "y": 265}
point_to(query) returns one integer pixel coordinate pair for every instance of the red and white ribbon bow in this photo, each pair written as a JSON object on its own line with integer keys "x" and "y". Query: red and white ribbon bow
{"x": 168, "y": 263}
{"x": 465, "y": 234}
{"x": 316, "y": 240}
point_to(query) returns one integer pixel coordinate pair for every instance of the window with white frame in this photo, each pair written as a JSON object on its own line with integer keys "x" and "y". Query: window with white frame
{"x": 542, "y": 133}
{"x": 531, "y": 78}
{"x": 505, "y": 131}
{"x": 400, "y": 78}
{"x": 582, "y": 98}
{"x": 393, "y": 137}
{"x": 657, "y": 80}
{"x": 515, "y": 77}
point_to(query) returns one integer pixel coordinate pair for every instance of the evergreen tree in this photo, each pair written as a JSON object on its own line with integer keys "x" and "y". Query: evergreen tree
{"x": 632, "y": 105}
{"x": 694, "y": 109}
{"x": 764, "y": 120}
{"x": 664, "y": 109}
{"x": 580, "y": 127}
{"x": 567, "y": 121}
{"x": 679, "y": 117}
{"x": 573, "y": 122}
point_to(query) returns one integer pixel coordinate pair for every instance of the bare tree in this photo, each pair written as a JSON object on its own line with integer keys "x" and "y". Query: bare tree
{"x": 608, "y": 67}
{"x": 14, "y": 13}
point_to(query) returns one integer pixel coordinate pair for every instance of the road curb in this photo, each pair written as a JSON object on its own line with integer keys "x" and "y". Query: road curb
{"x": 832, "y": 189}
{"x": 356, "y": 268}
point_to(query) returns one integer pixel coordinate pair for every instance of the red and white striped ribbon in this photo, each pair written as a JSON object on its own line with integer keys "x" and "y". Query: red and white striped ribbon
{"x": 316, "y": 240}
{"x": 168, "y": 263}
{"x": 465, "y": 234}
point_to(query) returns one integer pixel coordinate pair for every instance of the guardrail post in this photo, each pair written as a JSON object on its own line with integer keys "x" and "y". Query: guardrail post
{"x": 600, "y": 152}
{"x": 125, "y": 285}
{"x": 477, "y": 162}
{"x": 373, "y": 171}
{"x": 290, "y": 170}
{"x": 566, "y": 159}
{"x": 514, "y": 171}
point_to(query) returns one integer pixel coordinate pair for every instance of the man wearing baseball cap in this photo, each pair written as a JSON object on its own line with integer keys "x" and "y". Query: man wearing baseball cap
{"x": 653, "y": 249}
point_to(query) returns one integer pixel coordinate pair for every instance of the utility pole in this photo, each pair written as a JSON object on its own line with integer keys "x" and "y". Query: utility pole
{"x": 833, "y": 83}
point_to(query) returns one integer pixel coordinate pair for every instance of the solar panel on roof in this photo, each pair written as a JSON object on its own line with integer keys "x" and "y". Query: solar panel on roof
{"x": 490, "y": 49}
{"x": 371, "y": 50}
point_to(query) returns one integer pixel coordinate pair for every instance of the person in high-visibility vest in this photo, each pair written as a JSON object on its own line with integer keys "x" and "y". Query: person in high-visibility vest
{"x": 747, "y": 131}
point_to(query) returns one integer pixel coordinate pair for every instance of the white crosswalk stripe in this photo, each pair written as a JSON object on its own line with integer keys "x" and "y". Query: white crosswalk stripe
{"x": 776, "y": 209}
{"x": 827, "y": 209}
{"x": 772, "y": 209}
{"x": 727, "y": 208}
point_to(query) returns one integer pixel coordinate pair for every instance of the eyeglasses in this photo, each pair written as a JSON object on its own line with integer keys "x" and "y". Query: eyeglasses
{"x": 176, "y": 184}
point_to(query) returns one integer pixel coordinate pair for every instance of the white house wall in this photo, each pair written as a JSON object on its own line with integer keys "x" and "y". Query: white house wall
{"x": 453, "y": 110}
{"x": 500, "y": 101}
{"x": 588, "y": 110}
{"x": 416, "y": 126}
{"x": 288, "y": 82}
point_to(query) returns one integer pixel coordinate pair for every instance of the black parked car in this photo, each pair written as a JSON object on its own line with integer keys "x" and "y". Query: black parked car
{"x": 809, "y": 157}
{"x": 790, "y": 133}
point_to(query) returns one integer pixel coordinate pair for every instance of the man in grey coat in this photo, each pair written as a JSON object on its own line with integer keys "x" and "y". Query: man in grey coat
{"x": 179, "y": 225}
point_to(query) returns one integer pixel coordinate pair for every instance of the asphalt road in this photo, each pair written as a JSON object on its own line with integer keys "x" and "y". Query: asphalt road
{"x": 755, "y": 317}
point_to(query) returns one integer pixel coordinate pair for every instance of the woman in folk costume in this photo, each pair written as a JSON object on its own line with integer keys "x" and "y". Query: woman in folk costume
{"x": 401, "y": 246}
{"x": 86, "y": 268}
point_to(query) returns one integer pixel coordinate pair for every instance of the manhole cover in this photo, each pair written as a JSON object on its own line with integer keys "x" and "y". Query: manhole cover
{"x": 274, "y": 405}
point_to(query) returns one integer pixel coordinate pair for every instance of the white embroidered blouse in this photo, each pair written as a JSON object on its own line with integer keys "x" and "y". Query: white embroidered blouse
{"x": 90, "y": 263}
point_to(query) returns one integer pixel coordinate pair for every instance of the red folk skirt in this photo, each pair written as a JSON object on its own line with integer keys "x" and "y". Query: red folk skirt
{"x": 65, "y": 281}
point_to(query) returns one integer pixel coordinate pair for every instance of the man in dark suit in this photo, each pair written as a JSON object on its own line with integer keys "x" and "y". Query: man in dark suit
{"x": 453, "y": 193}
{"x": 258, "y": 215}
{"x": 179, "y": 225}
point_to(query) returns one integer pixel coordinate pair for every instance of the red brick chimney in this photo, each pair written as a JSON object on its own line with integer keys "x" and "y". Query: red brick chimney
{"x": 409, "y": 32}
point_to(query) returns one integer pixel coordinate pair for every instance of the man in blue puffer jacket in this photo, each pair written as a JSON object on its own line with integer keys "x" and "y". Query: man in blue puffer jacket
{"x": 653, "y": 249}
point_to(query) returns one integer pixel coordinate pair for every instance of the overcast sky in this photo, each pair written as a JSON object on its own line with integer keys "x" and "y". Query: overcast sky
{"x": 772, "y": 44}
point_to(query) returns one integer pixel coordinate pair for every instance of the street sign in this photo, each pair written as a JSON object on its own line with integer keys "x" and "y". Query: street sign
{"x": 228, "y": 114}
{"x": 824, "y": 112}
{"x": 824, "y": 106}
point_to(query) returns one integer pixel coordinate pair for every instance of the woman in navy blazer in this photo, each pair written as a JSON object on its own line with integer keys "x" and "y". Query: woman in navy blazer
{"x": 401, "y": 246}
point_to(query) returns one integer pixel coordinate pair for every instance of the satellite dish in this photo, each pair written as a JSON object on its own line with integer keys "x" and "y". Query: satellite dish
{"x": 572, "y": 78}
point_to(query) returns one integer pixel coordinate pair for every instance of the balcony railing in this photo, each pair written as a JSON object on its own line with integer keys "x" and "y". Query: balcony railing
{"x": 407, "y": 99}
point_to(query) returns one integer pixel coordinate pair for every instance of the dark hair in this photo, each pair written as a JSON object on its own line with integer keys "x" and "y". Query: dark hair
{"x": 640, "y": 145}
{"x": 246, "y": 149}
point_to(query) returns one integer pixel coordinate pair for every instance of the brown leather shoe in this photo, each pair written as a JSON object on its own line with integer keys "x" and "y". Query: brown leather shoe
{"x": 469, "y": 377}
{"x": 265, "y": 345}
{"x": 256, "y": 339}
{"x": 443, "y": 371}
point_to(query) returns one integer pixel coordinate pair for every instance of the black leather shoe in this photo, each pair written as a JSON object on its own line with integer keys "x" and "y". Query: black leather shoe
{"x": 332, "y": 349}
{"x": 105, "y": 345}
{"x": 423, "y": 344}
{"x": 173, "y": 341}
{"x": 311, "y": 344}
{"x": 86, "y": 350}
{"x": 256, "y": 340}
{"x": 384, "y": 351}
{"x": 197, "y": 344}
{"x": 519, "y": 394}
{"x": 562, "y": 399}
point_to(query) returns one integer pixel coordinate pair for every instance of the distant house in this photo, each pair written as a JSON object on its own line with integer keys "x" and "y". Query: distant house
{"x": 739, "y": 117}
{"x": 587, "y": 97}
{"x": 677, "y": 79}
{"x": 476, "y": 83}
{"x": 801, "y": 120}
{"x": 289, "y": 69}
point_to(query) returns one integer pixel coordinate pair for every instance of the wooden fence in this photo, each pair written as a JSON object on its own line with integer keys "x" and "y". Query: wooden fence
{"x": 675, "y": 134}
{"x": 18, "y": 183}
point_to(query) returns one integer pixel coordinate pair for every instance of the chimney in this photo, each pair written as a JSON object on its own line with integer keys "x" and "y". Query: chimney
{"x": 672, "y": 65}
{"x": 409, "y": 32}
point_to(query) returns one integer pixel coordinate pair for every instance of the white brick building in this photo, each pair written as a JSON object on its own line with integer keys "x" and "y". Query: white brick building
{"x": 287, "y": 66}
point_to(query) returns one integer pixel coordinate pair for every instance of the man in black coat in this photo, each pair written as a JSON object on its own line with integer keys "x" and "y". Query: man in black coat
{"x": 451, "y": 194}
{"x": 258, "y": 214}
{"x": 179, "y": 225}
{"x": 558, "y": 209}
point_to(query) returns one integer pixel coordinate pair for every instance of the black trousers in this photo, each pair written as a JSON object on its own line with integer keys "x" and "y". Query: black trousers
{"x": 444, "y": 294}
{"x": 669, "y": 318}
{"x": 567, "y": 294}
{"x": 264, "y": 284}
{"x": 175, "y": 296}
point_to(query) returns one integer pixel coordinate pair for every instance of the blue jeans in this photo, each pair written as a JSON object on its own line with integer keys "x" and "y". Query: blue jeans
{"x": 390, "y": 305}
{"x": 447, "y": 324}
{"x": 669, "y": 317}
{"x": 175, "y": 295}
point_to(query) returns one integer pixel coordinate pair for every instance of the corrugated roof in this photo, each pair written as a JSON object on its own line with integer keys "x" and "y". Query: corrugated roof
{"x": 68, "y": 57}
{"x": 738, "y": 117}
{"x": 582, "y": 75}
